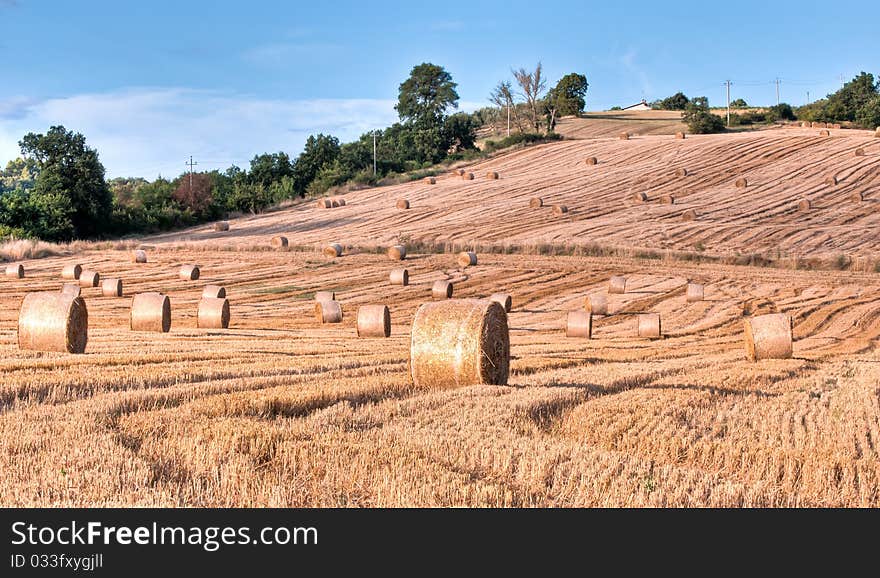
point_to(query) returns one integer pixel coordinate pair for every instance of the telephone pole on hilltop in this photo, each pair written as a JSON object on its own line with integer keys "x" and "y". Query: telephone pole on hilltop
{"x": 191, "y": 164}
{"x": 728, "y": 102}
{"x": 374, "y": 153}
{"x": 777, "y": 90}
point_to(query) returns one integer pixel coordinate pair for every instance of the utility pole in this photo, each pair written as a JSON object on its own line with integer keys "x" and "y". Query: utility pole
{"x": 374, "y": 153}
{"x": 777, "y": 90}
{"x": 508, "y": 118}
{"x": 841, "y": 81}
{"x": 191, "y": 164}
{"x": 728, "y": 103}
{"x": 808, "y": 97}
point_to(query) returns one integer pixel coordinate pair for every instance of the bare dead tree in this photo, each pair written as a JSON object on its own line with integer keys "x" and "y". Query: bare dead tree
{"x": 502, "y": 97}
{"x": 532, "y": 85}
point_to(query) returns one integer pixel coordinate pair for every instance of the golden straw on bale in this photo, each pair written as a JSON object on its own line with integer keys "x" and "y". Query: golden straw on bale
{"x": 334, "y": 203}
{"x": 742, "y": 183}
{"x": 139, "y": 256}
{"x": 402, "y": 204}
{"x": 151, "y": 312}
{"x": 680, "y": 135}
{"x": 536, "y": 202}
{"x": 805, "y": 205}
{"x": 340, "y": 201}
{"x": 860, "y": 152}
{"x": 460, "y": 172}
{"x": 805, "y": 124}
{"x": 768, "y": 336}
{"x": 324, "y": 204}
{"x": 459, "y": 343}
{"x": 189, "y": 272}
{"x": 689, "y": 215}
{"x": 279, "y": 241}
{"x": 877, "y": 132}
{"x": 694, "y": 293}
{"x": 467, "y": 259}
{"x": 333, "y": 250}
{"x": 468, "y": 176}
{"x": 373, "y": 321}
{"x": 503, "y": 299}
{"x": 325, "y": 296}
{"x": 559, "y": 209}
{"x": 592, "y": 161}
{"x": 857, "y": 197}
{"x": 640, "y": 197}
{"x": 221, "y": 226}
{"x": 71, "y": 271}
{"x": 441, "y": 290}
{"x": 623, "y": 136}
{"x": 399, "y": 277}
{"x": 71, "y": 289}
{"x": 831, "y": 180}
{"x": 328, "y": 312}
{"x": 617, "y": 284}
{"x": 492, "y": 175}
{"x": 681, "y": 172}
{"x": 596, "y": 304}
{"x": 89, "y": 279}
{"x": 667, "y": 200}
{"x": 579, "y": 324}
{"x": 835, "y": 126}
{"x": 396, "y": 252}
{"x": 53, "y": 322}
{"x": 430, "y": 180}
{"x": 213, "y": 313}
{"x": 111, "y": 287}
{"x": 16, "y": 270}
{"x": 824, "y": 133}
{"x": 649, "y": 326}
{"x": 213, "y": 292}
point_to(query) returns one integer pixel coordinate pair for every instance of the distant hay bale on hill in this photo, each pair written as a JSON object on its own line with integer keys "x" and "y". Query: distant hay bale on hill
{"x": 72, "y": 271}
{"x": 649, "y": 326}
{"x": 680, "y": 135}
{"x": 340, "y": 201}
{"x": 279, "y": 242}
{"x": 459, "y": 172}
{"x": 213, "y": 313}
{"x": 373, "y": 321}
{"x": 139, "y": 256}
{"x": 402, "y": 204}
{"x": 111, "y": 287}
{"x": 15, "y": 270}
{"x": 596, "y": 304}
{"x": 860, "y": 152}
{"x": 492, "y": 175}
{"x": 221, "y": 226}
{"x": 503, "y": 299}
{"x": 689, "y": 215}
{"x": 151, "y": 312}
{"x": 835, "y": 126}
{"x": 332, "y": 250}
{"x": 441, "y": 290}
{"x": 396, "y": 252}
{"x": 560, "y": 209}
{"x": 640, "y": 197}
{"x": 877, "y": 132}
{"x": 334, "y": 203}
{"x": 467, "y": 259}
{"x": 189, "y": 272}
{"x": 805, "y": 205}
{"x": 430, "y": 180}
{"x": 623, "y": 136}
{"x": 592, "y": 161}
{"x": 768, "y": 336}
{"x": 213, "y": 292}
{"x": 617, "y": 284}
{"x": 325, "y": 296}
{"x": 71, "y": 289}
{"x": 805, "y": 124}
{"x": 742, "y": 183}
{"x": 328, "y": 312}
{"x": 536, "y": 202}
{"x": 50, "y": 321}
{"x": 324, "y": 204}
{"x": 468, "y": 176}
{"x": 579, "y": 324}
{"x": 681, "y": 172}
{"x": 459, "y": 343}
{"x": 89, "y": 279}
{"x": 857, "y": 197}
{"x": 399, "y": 277}
{"x": 831, "y": 180}
{"x": 824, "y": 133}
{"x": 667, "y": 200}
{"x": 694, "y": 292}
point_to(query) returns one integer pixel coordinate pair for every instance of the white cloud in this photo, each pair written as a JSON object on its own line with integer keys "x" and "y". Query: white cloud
{"x": 148, "y": 131}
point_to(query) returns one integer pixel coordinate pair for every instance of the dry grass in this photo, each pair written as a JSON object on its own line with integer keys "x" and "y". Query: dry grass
{"x": 18, "y": 249}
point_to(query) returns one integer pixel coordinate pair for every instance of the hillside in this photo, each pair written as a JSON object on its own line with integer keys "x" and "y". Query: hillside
{"x": 612, "y": 123}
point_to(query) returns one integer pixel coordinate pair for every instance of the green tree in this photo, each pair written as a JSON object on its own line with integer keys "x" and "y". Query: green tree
{"x": 269, "y": 168}
{"x": 566, "y": 98}
{"x": 460, "y": 132}
{"x": 739, "y": 103}
{"x": 700, "y": 119}
{"x": 318, "y": 151}
{"x": 677, "y": 101}
{"x": 425, "y": 96}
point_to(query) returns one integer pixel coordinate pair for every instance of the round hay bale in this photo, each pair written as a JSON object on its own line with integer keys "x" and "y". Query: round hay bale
{"x": 877, "y": 132}
{"x": 459, "y": 172}
{"x": 649, "y": 326}
{"x": 213, "y": 292}
{"x": 189, "y": 272}
{"x": 805, "y": 124}
{"x": 503, "y": 299}
{"x": 536, "y": 203}
{"x": 111, "y": 287}
{"x": 467, "y": 176}
{"x": 617, "y": 284}
{"x": 399, "y": 277}
{"x": 71, "y": 289}
{"x": 695, "y": 292}
{"x": 459, "y": 343}
{"x": 402, "y": 204}
{"x": 53, "y": 322}
{"x": 466, "y": 259}
{"x": 680, "y": 135}
{"x": 332, "y": 250}
{"x": 768, "y": 336}
{"x": 857, "y": 197}
{"x": 560, "y": 209}
{"x": 89, "y": 279}
{"x": 328, "y": 312}
{"x": 325, "y": 296}
{"x": 441, "y": 290}
{"x": 814, "y": 124}
{"x": 831, "y": 180}
{"x": 579, "y": 324}
{"x": 640, "y": 197}
{"x": 151, "y": 312}
{"x": 689, "y": 215}
{"x": 16, "y": 271}
{"x": 835, "y": 126}
{"x": 667, "y": 200}
{"x": 592, "y": 161}
{"x": 139, "y": 256}
{"x": 71, "y": 271}
{"x": 492, "y": 176}
{"x": 340, "y": 202}
{"x": 860, "y": 152}
{"x": 824, "y": 133}
{"x": 396, "y": 253}
{"x": 742, "y": 183}
{"x": 373, "y": 321}
{"x": 279, "y": 242}
{"x": 334, "y": 203}
{"x": 221, "y": 226}
{"x": 623, "y": 136}
{"x": 681, "y": 172}
{"x": 430, "y": 180}
{"x": 596, "y": 304}
{"x": 213, "y": 313}
{"x": 324, "y": 204}
{"x": 805, "y": 205}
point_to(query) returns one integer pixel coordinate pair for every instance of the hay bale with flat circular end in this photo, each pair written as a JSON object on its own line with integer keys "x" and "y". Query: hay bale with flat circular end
{"x": 695, "y": 292}
{"x": 768, "y": 336}
{"x": 459, "y": 343}
{"x": 221, "y": 226}
{"x": 623, "y": 136}
{"x": 559, "y": 209}
{"x": 467, "y": 176}
{"x": 139, "y": 256}
{"x": 617, "y": 284}
{"x": 16, "y": 271}
{"x": 536, "y": 203}
{"x": 340, "y": 201}
{"x": 396, "y": 252}
{"x": 492, "y": 176}
{"x": 681, "y": 172}
{"x": 680, "y": 135}
{"x": 111, "y": 287}
{"x": 824, "y": 133}
{"x": 831, "y": 180}
{"x": 53, "y": 322}
{"x": 279, "y": 242}
{"x": 467, "y": 259}
{"x": 441, "y": 290}
{"x": 860, "y": 152}
{"x": 324, "y": 204}
{"x": 332, "y": 250}
{"x": 402, "y": 204}
{"x": 213, "y": 292}
{"x": 71, "y": 289}
{"x": 596, "y": 304}
{"x": 592, "y": 161}
{"x": 334, "y": 203}
{"x": 189, "y": 272}
{"x": 814, "y": 124}
{"x": 667, "y": 200}
{"x": 649, "y": 326}
{"x": 373, "y": 321}
{"x": 213, "y": 313}
{"x": 742, "y": 183}
{"x": 328, "y": 312}
{"x": 399, "y": 277}
{"x": 430, "y": 180}
{"x": 805, "y": 205}
{"x": 503, "y": 299}
{"x": 689, "y": 215}
{"x": 579, "y": 324}
{"x": 151, "y": 312}
{"x": 71, "y": 271}
{"x": 857, "y": 197}
{"x": 835, "y": 126}
{"x": 805, "y": 124}
{"x": 640, "y": 197}
{"x": 89, "y": 279}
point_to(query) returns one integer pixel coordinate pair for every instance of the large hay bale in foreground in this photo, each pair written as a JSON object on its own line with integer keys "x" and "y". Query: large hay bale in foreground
{"x": 430, "y": 180}
{"x": 467, "y": 259}
{"x": 189, "y": 272}
{"x": 89, "y": 279}
{"x": 373, "y": 321}
{"x": 213, "y": 292}
{"x": 324, "y": 204}
{"x": 503, "y": 299}
{"x": 640, "y": 197}
{"x": 441, "y": 290}
{"x": 680, "y": 135}
{"x": 559, "y": 209}
{"x": 596, "y": 304}
{"x": 139, "y": 256}
{"x": 151, "y": 312}
{"x": 649, "y": 326}
{"x": 402, "y": 204}
{"x": 694, "y": 292}
{"x": 536, "y": 203}
{"x": 805, "y": 205}
{"x": 592, "y": 161}
{"x": 396, "y": 252}
{"x": 213, "y": 313}
{"x": 768, "y": 336}
{"x": 623, "y": 136}
{"x": 221, "y": 226}
{"x": 399, "y": 277}
{"x": 332, "y": 250}
{"x": 53, "y": 322}
{"x": 579, "y": 324}
{"x": 667, "y": 200}
{"x": 857, "y": 197}
{"x": 72, "y": 271}
{"x": 860, "y": 152}
{"x": 689, "y": 215}
{"x": 682, "y": 172}
{"x": 742, "y": 183}
{"x": 279, "y": 242}
{"x": 458, "y": 343}
{"x": 617, "y": 285}
{"x": 15, "y": 270}
{"x": 71, "y": 289}
{"x": 831, "y": 180}
{"x": 325, "y": 296}
{"x": 492, "y": 176}
{"x": 111, "y": 287}
{"x": 467, "y": 176}
{"x": 328, "y": 312}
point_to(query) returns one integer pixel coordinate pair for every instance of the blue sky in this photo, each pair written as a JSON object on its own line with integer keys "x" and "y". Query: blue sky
{"x": 150, "y": 83}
